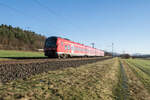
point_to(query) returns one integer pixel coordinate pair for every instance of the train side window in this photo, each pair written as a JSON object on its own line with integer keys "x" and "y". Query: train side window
{"x": 61, "y": 43}
{"x": 72, "y": 48}
{"x": 65, "y": 47}
{"x": 75, "y": 49}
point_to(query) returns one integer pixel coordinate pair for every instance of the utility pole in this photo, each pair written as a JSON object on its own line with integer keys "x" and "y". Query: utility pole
{"x": 123, "y": 52}
{"x": 93, "y": 44}
{"x": 112, "y": 49}
{"x": 27, "y": 28}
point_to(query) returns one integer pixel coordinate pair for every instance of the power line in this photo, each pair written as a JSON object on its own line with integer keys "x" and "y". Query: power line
{"x": 45, "y": 7}
{"x": 12, "y": 8}
{"x": 21, "y": 13}
{"x": 54, "y": 13}
{"x": 18, "y": 11}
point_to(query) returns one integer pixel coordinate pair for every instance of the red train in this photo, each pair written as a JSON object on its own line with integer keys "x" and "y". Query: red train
{"x": 63, "y": 48}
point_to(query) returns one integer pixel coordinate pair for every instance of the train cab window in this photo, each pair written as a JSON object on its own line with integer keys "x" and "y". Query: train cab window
{"x": 51, "y": 42}
{"x": 65, "y": 47}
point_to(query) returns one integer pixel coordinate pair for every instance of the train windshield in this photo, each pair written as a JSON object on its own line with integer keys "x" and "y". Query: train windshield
{"x": 51, "y": 42}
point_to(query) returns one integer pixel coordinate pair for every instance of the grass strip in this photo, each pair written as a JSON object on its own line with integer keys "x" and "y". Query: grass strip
{"x": 142, "y": 68}
{"x": 143, "y": 63}
{"x": 143, "y": 77}
{"x": 14, "y": 53}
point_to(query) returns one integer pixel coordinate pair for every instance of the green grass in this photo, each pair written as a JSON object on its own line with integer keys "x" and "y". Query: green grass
{"x": 141, "y": 70}
{"x": 143, "y": 65}
{"x": 13, "y": 53}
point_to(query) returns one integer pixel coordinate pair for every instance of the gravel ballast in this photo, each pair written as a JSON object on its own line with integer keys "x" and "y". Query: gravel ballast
{"x": 9, "y": 72}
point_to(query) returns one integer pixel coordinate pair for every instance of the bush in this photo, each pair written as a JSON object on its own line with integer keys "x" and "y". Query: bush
{"x": 125, "y": 56}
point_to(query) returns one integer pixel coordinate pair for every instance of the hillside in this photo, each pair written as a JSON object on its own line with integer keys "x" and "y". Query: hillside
{"x": 15, "y": 38}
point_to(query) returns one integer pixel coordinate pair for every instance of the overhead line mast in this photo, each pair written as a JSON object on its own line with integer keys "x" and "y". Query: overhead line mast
{"x": 93, "y": 45}
{"x": 112, "y": 49}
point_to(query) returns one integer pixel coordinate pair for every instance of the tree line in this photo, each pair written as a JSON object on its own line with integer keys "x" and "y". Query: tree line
{"x": 15, "y": 38}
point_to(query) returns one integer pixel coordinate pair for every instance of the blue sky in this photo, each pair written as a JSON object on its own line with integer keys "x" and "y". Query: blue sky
{"x": 126, "y": 23}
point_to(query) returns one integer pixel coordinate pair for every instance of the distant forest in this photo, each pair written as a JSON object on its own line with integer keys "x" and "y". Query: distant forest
{"x": 15, "y": 38}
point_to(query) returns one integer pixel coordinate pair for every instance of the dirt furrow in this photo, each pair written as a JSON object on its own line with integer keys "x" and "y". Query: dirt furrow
{"x": 121, "y": 91}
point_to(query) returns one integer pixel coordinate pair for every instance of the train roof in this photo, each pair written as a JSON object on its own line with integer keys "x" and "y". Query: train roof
{"x": 59, "y": 37}
{"x": 73, "y": 41}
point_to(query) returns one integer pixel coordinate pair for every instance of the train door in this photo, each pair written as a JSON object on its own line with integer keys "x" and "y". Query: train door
{"x": 72, "y": 49}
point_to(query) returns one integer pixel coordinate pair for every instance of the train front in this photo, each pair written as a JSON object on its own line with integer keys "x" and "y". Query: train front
{"x": 50, "y": 48}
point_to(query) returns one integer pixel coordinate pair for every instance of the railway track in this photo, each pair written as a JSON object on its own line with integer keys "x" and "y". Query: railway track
{"x": 21, "y": 70}
{"x": 40, "y": 60}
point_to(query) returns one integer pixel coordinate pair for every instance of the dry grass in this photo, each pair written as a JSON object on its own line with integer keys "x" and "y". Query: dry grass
{"x": 88, "y": 82}
{"x": 5, "y": 59}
